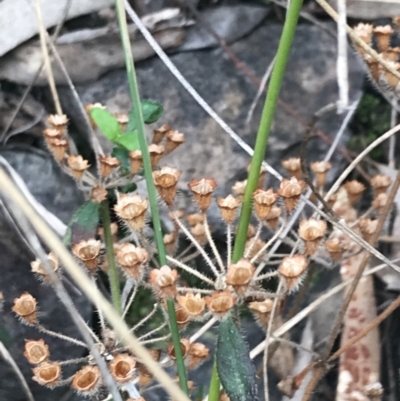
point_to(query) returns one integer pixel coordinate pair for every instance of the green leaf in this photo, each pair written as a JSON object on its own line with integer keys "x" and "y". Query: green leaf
{"x": 151, "y": 111}
{"x": 126, "y": 189}
{"x": 83, "y": 224}
{"x": 235, "y": 368}
{"x": 129, "y": 141}
{"x": 106, "y": 122}
{"x": 122, "y": 154}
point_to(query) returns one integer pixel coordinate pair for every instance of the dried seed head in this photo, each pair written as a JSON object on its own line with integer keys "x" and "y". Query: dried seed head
{"x": 273, "y": 217}
{"x": 98, "y": 194}
{"x": 47, "y": 374}
{"x": 132, "y": 209}
{"x": 383, "y": 35}
{"x": 174, "y": 139}
{"x": 132, "y": 259}
{"x": 291, "y": 190}
{"x": 263, "y": 202}
{"x": 364, "y": 32}
{"x": 311, "y": 232}
{"x": 194, "y": 219}
{"x": 199, "y": 233}
{"x": 25, "y": 308}
{"x": 145, "y": 376}
{"x": 166, "y": 181}
{"x": 108, "y": 164}
{"x": 88, "y": 253}
{"x": 77, "y": 165}
{"x": 391, "y": 79}
{"x": 354, "y": 190}
{"x": 58, "y": 121}
{"x": 87, "y": 380}
{"x": 156, "y": 153}
{"x": 262, "y": 310}
{"x": 36, "y": 351}
{"x": 320, "y": 169}
{"x": 170, "y": 242}
{"x": 58, "y": 147}
{"x": 368, "y": 227}
{"x": 193, "y": 305}
{"x": 176, "y": 215}
{"x": 38, "y": 268}
{"x": 198, "y": 352}
{"x": 228, "y": 207}
{"x": 335, "y": 248}
{"x": 239, "y": 275}
{"x": 122, "y": 119}
{"x": 380, "y": 201}
{"x": 202, "y": 191}
{"x": 380, "y": 183}
{"x": 182, "y": 317}
{"x": 220, "y": 302}
{"x": 239, "y": 188}
{"x": 332, "y": 199}
{"x": 293, "y": 167}
{"x": 185, "y": 346}
{"x": 122, "y": 368}
{"x": 52, "y": 133}
{"x": 391, "y": 54}
{"x": 292, "y": 270}
{"x": 136, "y": 160}
{"x": 164, "y": 280}
{"x": 160, "y": 133}
{"x": 255, "y": 247}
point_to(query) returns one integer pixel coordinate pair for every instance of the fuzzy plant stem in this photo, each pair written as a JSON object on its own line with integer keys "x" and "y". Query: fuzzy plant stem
{"x": 264, "y": 129}
{"x": 137, "y": 110}
{"x": 112, "y": 268}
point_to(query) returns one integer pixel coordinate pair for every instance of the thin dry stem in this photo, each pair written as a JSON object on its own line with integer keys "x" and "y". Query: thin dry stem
{"x": 190, "y": 270}
{"x": 212, "y": 244}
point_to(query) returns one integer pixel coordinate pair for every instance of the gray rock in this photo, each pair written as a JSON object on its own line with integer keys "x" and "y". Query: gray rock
{"x": 309, "y": 84}
{"x": 58, "y": 193}
{"x": 18, "y": 20}
{"x": 370, "y": 10}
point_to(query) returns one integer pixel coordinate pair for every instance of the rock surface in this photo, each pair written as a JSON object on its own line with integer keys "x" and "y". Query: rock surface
{"x": 370, "y": 10}
{"x": 309, "y": 84}
{"x": 58, "y": 193}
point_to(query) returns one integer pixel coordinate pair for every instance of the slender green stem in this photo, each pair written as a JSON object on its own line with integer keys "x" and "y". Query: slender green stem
{"x": 137, "y": 110}
{"x": 112, "y": 268}
{"x": 264, "y": 129}
{"x": 265, "y": 124}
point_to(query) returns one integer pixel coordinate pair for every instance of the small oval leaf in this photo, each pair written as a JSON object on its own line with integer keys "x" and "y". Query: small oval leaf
{"x": 106, "y": 122}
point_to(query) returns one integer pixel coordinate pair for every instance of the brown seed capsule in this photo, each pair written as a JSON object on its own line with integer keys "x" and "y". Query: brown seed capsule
{"x": 197, "y": 354}
{"x": 145, "y": 376}
{"x": 25, "y": 308}
{"x": 52, "y": 133}
{"x": 58, "y": 147}
{"x": 263, "y": 202}
{"x": 354, "y": 190}
{"x": 57, "y": 121}
{"x": 132, "y": 259}
{"x": 98, "y": 194}
{"x": 160, "y": 133}
{"x": 122, "y": 119}
{"x": 273, "y": 217}
{"x": 88, "y": 252}
{"x": 292, "y": 270}
{"x": 77, "y": 165}
{"x": 262, "y": 310}
{"x": 239, "y": 188}
{"x": 202, "y": 191}
{"x": 194, "y": 219}
{"x": 391, "y": 54}
{"x": 380, "y": 201}
{"x": 380, "y": 183}
{"x": 228, "y": 207}
{"x": 193, "y": 305}
{"x": 383, "y": 35}
{"x": 174, "y": 139}
{"x": 291, "y": 190}
{"x": 199, "y": 233}
{"x": 156, "y": 153}
{"x": 239, "y": 275}
{"x": 368, "y": 227}
{"x": 122, "y": 368}
{"x": 36, "y": 351}
{"x": 87, "y": 380}
{"x": 364, "y": 32}
{"x": 47, "y": 374}
{"x": 185, "y": 346}
{"x": 220, "y": 302}
{"x": 108, "y": 164}
{"x": 335, "y": 248}
{"x": 132, "y": 208}
{"x": 136, "y": 160}
{"x": 373, "y": 66}
{"x": 332, "y": 199}
{"x": 320, "y": 169}
{"x": 171, "y": 242}
{"x": 164, "y": 280}
{"x": 311, "y": 232}
{"x": 38, "y": 268}
{"x": 293, "y": 167}
{"x": 182, "y": 317}
{"x": 391, "y": 79}
{"x": 166, "y": 181}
